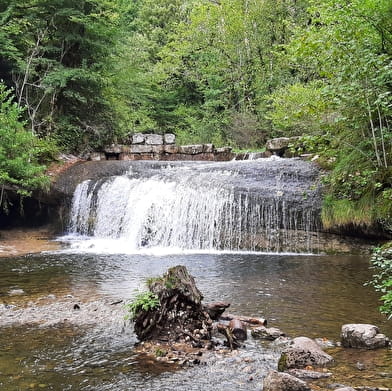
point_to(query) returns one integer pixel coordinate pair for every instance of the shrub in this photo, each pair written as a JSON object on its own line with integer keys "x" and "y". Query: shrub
{"x": 381, "y": 262}
{"x": 144, "y": 301}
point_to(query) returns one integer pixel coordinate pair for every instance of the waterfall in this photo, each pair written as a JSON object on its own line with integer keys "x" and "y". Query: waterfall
{"x": 252, "y": 206}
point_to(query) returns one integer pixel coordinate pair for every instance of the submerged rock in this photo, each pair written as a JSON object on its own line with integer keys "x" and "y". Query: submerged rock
{"x": 365, "y": 336}
{"x": 268, "y": 333}
{"x": 303, "y": 352}
{"x": 307, "y": 374}
{"x": 275, "y": 381}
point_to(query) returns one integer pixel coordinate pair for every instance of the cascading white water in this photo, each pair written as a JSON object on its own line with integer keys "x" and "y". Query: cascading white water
{"x": 193, "y": 208}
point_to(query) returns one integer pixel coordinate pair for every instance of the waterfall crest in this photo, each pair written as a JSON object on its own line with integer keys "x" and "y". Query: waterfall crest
{"x": 265, "y": 205}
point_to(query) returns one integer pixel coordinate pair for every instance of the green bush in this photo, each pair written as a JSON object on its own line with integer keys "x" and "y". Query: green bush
{"x": 144, "y": 301}
{"x": 381, "y": 262}
{"x": 22, "y": 155}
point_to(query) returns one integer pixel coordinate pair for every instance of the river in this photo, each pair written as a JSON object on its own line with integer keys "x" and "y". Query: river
{"x": 93, "y": 348}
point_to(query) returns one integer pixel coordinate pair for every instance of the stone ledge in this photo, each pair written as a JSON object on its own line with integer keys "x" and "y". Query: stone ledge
{"x": 142, "y": 149}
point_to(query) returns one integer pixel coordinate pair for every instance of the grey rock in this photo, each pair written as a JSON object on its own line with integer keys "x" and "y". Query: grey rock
{"x": 169, "y": 138}
{"x": 96, "y": 156}
{"x": 360, "y": 366}
{"x": 158, "y": 148}
{"x": 275, "y": 381}
{"x": 191, "y": 149}
{"x": 138, "y": 138}
{"x": 170, "y": 149}
{"x": 208, "y": 148}
{"x": 277, "y": 145}
{"x": 223, "y": 150}
{"x": 333, "y": 386}
{"x": 311, "y": 375}
{"x": 154, "y": 139}
{"x": 362, "y": 336}
{"x": 16, "y": 292}
{"x": 303, "y": 352}
{"x": 140, "y": 148}
{"x": 269, "y": 333}
{"x": 114, "y": 148}
{"x": 325, "y": 343}
{"x": 345, "y": 389}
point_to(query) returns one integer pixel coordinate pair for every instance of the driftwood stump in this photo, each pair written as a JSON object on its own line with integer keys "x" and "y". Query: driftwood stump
{"x": 180, "y": 315}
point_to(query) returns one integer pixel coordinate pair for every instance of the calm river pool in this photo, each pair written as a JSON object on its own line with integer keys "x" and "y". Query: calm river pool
{"x": 301, "y": 294}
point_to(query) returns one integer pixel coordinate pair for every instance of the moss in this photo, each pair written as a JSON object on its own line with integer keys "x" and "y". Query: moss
{"x": 150, "y": 281}
{"x": 160, "y": 352}
{"x": 344, "y": 212}
{"x": 282, "y": 364}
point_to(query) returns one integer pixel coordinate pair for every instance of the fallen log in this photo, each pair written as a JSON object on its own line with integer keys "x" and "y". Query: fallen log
{"x": 238, "y": 329}
{"x": 246, "y": 319}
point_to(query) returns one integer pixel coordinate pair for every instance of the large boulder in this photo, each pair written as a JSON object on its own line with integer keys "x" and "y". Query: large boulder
{"x": 303, "y": 352}
{"x": 275, "y": 381}
{"x": 363, "y": 336}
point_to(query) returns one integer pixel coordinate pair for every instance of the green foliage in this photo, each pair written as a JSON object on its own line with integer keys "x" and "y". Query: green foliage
{"x": 160, "y": 352}
{"x": 345, "y": 213}
{"x": 144, "y": 301}
{"x": 300, "y": 109}
{"x": 381, "y": 262}
{"x": 57, "y": 54}
{"x": 22, "y": 155}
{"x": 342, "y": 65}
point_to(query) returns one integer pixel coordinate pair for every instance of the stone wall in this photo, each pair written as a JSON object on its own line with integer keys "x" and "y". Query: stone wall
{"x": 161, "y": 147}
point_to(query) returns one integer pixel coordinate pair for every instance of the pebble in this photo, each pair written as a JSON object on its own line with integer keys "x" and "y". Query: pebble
{"x": 16, "y": 292}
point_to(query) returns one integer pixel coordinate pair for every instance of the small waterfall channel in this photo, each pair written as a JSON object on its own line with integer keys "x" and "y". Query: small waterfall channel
{"x": 270, "y": 205}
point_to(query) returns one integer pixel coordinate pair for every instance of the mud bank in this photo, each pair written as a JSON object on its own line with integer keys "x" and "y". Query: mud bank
{"x": 18, "y": 242}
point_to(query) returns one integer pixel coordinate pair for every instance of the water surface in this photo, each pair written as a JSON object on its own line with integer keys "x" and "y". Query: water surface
{"x": 301, "y": 294}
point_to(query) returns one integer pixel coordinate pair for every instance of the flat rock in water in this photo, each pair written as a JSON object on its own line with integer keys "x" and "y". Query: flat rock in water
{"x": 269, "y": 333}
{"x": 306, "y": 374}
{"x": 363, "y": 336}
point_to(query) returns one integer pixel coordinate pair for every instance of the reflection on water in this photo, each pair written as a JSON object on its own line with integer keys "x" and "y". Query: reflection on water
{"x": 303, "y": 295}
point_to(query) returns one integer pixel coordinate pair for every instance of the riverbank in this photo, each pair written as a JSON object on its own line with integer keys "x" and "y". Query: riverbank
{"x": 17, "y": 242}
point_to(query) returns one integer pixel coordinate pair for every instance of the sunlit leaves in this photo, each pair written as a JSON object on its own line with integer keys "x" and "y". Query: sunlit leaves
{"x": 21, "y": 153}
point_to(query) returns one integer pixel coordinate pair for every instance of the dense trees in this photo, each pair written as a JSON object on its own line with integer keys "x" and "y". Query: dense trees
{"x": 229, "y": 72}
{"x": 344, "y": 58}
{"x": 54, "y": 53}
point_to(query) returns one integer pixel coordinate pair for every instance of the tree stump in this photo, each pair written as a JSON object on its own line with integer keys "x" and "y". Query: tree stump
{"x": 180, "y": 315}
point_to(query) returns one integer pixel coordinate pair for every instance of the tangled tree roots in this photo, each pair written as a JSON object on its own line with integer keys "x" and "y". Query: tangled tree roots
{"x": 180, "y": 314}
